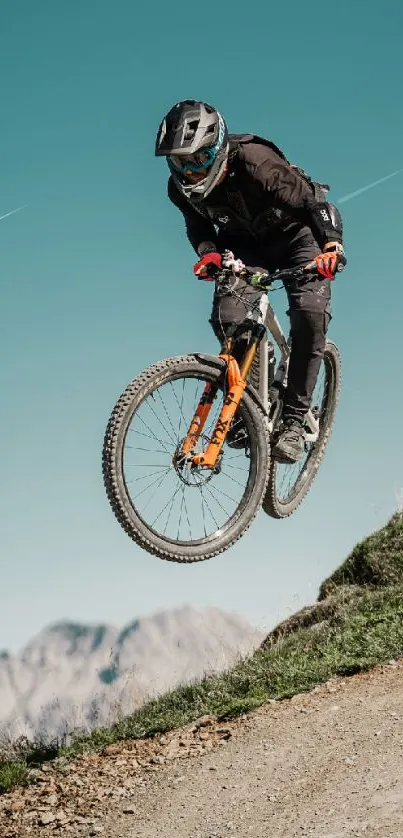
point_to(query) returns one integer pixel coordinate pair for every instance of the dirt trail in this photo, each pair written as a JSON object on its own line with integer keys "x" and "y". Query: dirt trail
{"x": 328, "y": 764}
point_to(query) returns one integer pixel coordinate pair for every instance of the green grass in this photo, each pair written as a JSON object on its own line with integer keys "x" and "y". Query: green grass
{"x": 375, "y": 562}
{"x": 356, "y": 623}
{"x": 12, "y": 774}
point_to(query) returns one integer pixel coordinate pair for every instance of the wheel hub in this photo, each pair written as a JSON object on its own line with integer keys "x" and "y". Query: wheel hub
{"x": 190, "y": 474}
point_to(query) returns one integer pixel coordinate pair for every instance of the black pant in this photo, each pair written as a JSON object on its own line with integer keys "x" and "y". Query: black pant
{"x": 309, "y": 311}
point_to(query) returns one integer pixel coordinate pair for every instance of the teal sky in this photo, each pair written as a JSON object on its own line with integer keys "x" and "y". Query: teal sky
{"x": 96, "y": 282}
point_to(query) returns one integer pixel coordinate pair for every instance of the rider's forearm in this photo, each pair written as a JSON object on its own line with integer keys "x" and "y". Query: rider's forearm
{"x": 199, "y": 229}
{"x": 326, "y": 224}
{"x": 323, "y": 219}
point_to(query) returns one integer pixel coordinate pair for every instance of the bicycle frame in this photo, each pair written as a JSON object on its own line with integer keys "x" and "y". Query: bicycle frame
{"x": 262, "y": 320}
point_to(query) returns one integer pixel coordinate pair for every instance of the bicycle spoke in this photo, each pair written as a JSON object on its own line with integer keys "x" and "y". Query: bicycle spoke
{"x": 233, "y": 479}
{"x": 153, "y": 411}
{"x": 141, "y": 433}
{"x": 150, "y": 450}
{"x": 236, "y": 468}
{"x": 171, "y": 507}
{"x": 141, "y": 465}
{"x": 216, "y": 499}
{"x": 204, "y": 517}
{"x": 209, "y": 508}
{"x": 171, "y": 500}
{"x": 180, "y": 406}
{"x": 167, "y": 415}
{"x": 154, "y": 493}
{"x": 227, "y": 496}
{"x": 187, "y": 518}
{"x": 145, "y": 488}
{"x": 146, "y": 476}
{"x": 180, "y": 514}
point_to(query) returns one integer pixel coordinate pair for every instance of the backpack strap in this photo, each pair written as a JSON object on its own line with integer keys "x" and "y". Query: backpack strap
{"x": 235, "y": 140}
{"x": 319, "y": 189}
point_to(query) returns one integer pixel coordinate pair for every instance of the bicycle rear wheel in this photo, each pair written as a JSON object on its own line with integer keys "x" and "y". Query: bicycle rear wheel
{"x": 173, "y": 511}
{"x": 289, "y": 484}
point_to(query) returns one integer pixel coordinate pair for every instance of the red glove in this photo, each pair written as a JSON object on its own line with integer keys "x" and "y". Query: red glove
{"x": 330, "y": 261}
{"x": 208, "y": 265}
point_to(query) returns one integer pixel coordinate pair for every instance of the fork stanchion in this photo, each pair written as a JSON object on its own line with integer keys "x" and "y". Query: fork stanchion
{"x": 236, "y": 378}
{"x": 199, "y": 419}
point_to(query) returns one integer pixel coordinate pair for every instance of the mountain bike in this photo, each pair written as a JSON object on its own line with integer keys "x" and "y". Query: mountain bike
{"x": 187, "y": 458}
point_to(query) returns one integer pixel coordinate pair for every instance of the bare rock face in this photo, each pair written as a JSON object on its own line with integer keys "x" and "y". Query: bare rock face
{"x": 73, "y": 676}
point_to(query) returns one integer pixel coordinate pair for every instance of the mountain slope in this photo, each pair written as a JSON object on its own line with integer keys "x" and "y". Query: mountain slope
{"x": 320, "y": 758}
{"x": 73, "y": 675}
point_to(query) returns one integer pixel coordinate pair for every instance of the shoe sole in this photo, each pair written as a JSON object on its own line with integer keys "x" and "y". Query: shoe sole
{"x": 283, "y": 457}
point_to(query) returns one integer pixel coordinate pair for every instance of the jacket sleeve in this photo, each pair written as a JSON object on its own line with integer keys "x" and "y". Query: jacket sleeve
{"x": 198, "y": 229}
{"x": 289, "y": 192}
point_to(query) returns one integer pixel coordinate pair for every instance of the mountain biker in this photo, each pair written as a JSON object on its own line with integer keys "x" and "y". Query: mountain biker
{"x": 238, "y": 192}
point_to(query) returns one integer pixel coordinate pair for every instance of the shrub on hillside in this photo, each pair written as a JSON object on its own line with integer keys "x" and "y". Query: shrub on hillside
{"x": 376, "y": 562}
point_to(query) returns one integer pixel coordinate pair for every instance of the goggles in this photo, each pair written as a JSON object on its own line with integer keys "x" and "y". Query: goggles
{"x": 196, "y": 162}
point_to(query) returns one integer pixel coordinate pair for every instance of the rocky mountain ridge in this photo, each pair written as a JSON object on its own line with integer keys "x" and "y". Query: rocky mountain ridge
{"x": 74, "y": 676}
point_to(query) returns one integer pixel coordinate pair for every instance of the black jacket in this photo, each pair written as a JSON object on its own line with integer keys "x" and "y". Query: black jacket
{"x": 261, "y": 199}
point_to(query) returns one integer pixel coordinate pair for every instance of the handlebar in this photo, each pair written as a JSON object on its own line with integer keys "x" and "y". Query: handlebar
{"x": 263, "y": 279}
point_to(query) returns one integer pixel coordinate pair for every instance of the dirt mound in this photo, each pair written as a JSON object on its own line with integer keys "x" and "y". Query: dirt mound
{"x": 374, "y": 564}
{"x": 377, "y": 561}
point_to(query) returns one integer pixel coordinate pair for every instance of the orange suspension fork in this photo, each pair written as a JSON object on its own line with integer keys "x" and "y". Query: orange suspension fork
{"x": 236, "y": 378}
{"x": 199, "y": 419}
{"x": 203, "y": 409}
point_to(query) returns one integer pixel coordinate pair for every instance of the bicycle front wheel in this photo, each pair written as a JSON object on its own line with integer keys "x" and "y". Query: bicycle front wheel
{"x": 177, "y": 512}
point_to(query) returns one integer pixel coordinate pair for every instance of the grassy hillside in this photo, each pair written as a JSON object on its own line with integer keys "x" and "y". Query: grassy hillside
{"x": 356, "y": 623}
